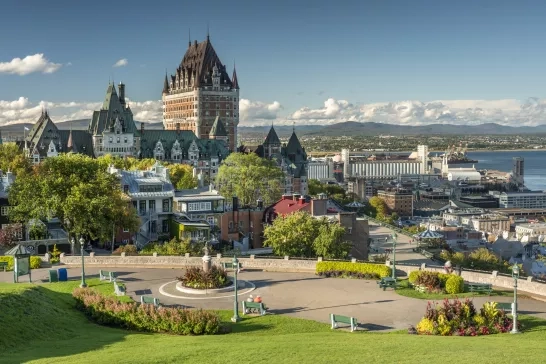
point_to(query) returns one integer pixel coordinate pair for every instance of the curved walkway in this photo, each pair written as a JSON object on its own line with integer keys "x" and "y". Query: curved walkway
{"x": 296, "y": 294}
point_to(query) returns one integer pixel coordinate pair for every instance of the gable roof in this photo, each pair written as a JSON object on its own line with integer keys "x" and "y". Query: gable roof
{"x": 218, "y": 129}
{"x": 287, "y": 205}
{"x": 207, "y": 147}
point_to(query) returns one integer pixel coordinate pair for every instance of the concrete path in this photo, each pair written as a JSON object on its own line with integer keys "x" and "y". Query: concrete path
{"x": 295, "y": 294}
{"x": 404, "y": 252}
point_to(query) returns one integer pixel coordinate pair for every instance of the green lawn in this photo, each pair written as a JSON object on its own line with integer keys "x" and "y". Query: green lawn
{"x": 38, "y": 324}
{"x": 404, "y": 288}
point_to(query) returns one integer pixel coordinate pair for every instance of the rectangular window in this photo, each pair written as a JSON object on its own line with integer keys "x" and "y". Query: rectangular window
{"x": 151, "y": 205}
{"x": 166, "y": 205}
{"x": 199, "y": 206}
{"x": 118, "y": 139}
{"x": 125, "y": 230}
{"x": 5, "y": 210}
{"x": 142, "y": 207}
{"x": 210, "y": 220}
{"x": 165, "y": 226}
{"x": 125, "y": 188}
{"x": 240, "y": 224}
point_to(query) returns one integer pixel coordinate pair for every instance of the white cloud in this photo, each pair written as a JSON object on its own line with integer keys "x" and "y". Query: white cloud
{"x": 256, "y": 111}
{"x": 29, "y": 64}
{"x": 465, "y": 112}
{"x": 121, "y": 63}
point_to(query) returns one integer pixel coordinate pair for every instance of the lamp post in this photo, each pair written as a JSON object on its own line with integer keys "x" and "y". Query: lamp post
{"x": 515, "y": 274}
{"x": 83, "y": 284}
{"x": 73, "y": 242}
{"x": 235, "y": 317}
{"x": 394, "y": 238}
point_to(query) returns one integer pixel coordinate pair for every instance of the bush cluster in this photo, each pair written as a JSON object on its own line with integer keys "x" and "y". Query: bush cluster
{"x": 479, "y": 259}
{"x": 355, "y": 270}
{"x": 197, "y": 278}
{"x": 173, "y": 247}
{"x": 435, "y": 282}
{"x": 35, "y": 262}
{"x": 147, "y": 318}
{"x": 128, "y": 249}
{"x": 461, "y": 318}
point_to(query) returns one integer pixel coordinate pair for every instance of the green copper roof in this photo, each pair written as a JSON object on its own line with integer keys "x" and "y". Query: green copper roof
{"x": 272, "y": 137}
{"x": 218, "y": 129}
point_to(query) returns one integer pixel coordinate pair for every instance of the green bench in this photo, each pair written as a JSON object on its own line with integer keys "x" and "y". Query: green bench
{"x": 387, "y": 282}
{"x": 258, "y": 307}
{"x": 119, "y": 289}
{"x": 479, "y": 288}
{"x": 230, "y": 265}
{"x": 505, "y": 306}
{"x": 146, "y": 300}
{"x": 104, "y": 275}
{"x": 4, "y": 265}
{"x": 335, "y": 319}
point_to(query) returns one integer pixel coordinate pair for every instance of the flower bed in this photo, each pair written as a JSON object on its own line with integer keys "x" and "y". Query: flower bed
{"x": 353, "y": 270}
{"x": 433, "y": 282}
{"x": 462, "y": 319}
{"x": 148, "y": 318}
{"x": 35, "y": 262}
{"x": 197, "y": 278}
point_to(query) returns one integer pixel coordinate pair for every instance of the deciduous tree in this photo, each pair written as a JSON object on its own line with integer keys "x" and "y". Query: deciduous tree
{"x": 250, "y": 178}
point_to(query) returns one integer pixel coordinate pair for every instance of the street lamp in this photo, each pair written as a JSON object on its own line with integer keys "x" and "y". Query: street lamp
{"x": 83, "y": 284}
{"x": 515, "y": 275}
{"x": 235, "y": 317}
{"x": 394, "y": 238}
{"x": 73, "y": 242}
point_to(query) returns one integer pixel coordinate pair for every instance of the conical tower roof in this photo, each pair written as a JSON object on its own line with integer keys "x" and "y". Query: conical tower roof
{"x": 17, "y": 249}
{"x": 218, "y": 129}
{"x": 166, "y": 85}
{"x": 272, "y": 137}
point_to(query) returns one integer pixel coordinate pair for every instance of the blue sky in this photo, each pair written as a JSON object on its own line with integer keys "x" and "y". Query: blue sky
{"x": 298, "y": 53}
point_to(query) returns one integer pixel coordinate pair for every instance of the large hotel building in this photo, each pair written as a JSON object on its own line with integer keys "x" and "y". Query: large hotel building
{"x": 200, "y": 91}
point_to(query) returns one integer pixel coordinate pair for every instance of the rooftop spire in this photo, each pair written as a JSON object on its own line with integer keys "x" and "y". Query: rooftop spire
{"x": 208, "y": 34}
{"x": 166, "y": 84}
{"x": 234, "y": 81}
{"x": 189, "y": 37}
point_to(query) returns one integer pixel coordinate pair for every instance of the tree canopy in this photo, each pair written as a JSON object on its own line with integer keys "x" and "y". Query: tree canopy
{"x": 301, "y": 235}
{"x": 76, "y": 189}
{"x": 250, "y": 178}
{"x": 13, "y": 159}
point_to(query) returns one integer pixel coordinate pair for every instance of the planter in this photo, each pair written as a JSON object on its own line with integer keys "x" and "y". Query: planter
{"x": 182, "y": 288}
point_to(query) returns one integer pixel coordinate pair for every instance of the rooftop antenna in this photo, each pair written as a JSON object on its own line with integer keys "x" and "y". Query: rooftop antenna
{"x": 189, "y": 37}
{"x": 294, "y": 126}
{"x": 208, "y": 34}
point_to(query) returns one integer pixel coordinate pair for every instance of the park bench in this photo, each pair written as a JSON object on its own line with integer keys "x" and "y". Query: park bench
{"x": 119, "y": 289}
{"x": 104, "y": 275}
{"x": 505, "y": 306}
{"x": 4, "y": 265}
{"x": 387, "y": 282}
{"x": 257, "y": 307}
{"x": 479, "y": 288}
{"x": 146, "y": 300}
{"x": 230, "y": 265}
{"x": 335, "y": 319}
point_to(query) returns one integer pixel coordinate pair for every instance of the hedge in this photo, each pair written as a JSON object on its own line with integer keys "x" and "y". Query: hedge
{"x": 35, "y": 262}
{"x": 380, "y": 270}
{"x": 109, "y": 311}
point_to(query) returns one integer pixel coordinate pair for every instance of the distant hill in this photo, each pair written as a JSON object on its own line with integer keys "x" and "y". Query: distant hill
{"x": 283, "y": 131}
{"x": 353, "y": 128}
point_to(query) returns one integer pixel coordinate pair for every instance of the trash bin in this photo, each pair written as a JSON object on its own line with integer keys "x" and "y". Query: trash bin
{"x": 63, "y": 275}
{"x": 53, "y": 277}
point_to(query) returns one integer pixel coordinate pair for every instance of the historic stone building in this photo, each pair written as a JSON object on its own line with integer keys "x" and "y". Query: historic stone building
{"x": 291, "y": 158}
{"x": 199, "y": 92}
{"x": 112, "y": 130}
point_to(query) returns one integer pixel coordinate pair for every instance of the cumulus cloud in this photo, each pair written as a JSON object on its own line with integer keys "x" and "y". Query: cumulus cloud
{"x": 258, "y": 112}
{"x": 529, "y": 112}
{"x": 29, "y": 64}
{"x": 121, "y": 63}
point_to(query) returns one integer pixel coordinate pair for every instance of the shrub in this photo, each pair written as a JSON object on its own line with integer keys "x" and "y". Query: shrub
{"x": 413, "y": 276}
{"x": 373, "y": 270}
{"x": 128, "y": 249}
{"x": 35, "y": 262}
{"x": 147, "y": 318}
{"x": 197, "y": 278}
{"x": 173, "y": 247}
{"x": 55, "y": 254}
{"x": 454, "y": 284}
{"x": 461, "y": 318}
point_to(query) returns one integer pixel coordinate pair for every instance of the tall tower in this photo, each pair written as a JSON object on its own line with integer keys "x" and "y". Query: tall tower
{"x": 200, "y": 91}
{"x": 518, "y": 170}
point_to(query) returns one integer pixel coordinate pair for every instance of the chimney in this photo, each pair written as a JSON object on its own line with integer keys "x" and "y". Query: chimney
{"x": 142, "y": 127}
{"x": 121, "y": 88}
{"x": 260, "y": 204}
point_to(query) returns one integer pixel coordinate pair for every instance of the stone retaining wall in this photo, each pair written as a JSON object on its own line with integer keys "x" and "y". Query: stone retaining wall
{"x": 279, "y": 265}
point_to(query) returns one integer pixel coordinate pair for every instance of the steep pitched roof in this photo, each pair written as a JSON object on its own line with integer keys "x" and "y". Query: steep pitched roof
{"x": 82, "y": 142}
{"x": 42, "y": 134}
{"x": 166, "y": 85}
{"x": 199, "y": 60}
{"x": 234, "y": 80}
{"x": 272, "y": 137}
{"x": 218, "y": 129}
{"x": 104, "y": 119}
{"x": 70, "y": 145}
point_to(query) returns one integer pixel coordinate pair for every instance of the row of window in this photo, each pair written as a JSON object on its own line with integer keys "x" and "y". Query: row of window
{"x": 4, "y": 210}
{"x": 199, "y": 206}
{"x": 196, "y": 99}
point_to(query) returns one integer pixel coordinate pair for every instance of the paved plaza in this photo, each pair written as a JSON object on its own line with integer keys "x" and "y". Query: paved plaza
{"x": 301, "y": 295}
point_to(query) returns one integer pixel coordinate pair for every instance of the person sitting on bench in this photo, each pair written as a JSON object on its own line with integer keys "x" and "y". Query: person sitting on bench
{"x": 258, "y": 299}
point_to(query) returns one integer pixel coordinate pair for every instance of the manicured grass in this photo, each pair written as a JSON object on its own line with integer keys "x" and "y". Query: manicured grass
{"x": 404, "y": 288}
{"x": 39, "y": 325}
